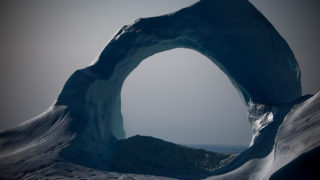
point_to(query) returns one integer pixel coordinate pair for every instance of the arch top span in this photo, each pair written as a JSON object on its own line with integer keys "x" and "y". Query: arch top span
{"x": 231, "y": 33}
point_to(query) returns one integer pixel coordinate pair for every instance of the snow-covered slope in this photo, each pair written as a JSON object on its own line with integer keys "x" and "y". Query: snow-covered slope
{"x": 285, "y": 149}
{"x": 78, "y": 136}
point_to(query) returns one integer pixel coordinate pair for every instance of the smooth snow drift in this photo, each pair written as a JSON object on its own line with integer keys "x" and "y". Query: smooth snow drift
{"x": 79, "y": 136}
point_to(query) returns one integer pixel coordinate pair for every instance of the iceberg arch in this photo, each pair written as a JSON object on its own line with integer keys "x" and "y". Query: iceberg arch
{"x": 232, "y": 34}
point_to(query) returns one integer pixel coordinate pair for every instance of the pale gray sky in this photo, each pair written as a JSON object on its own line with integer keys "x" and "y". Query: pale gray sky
{"x": 181, "y": 96}
{"x": 178, "y": 95}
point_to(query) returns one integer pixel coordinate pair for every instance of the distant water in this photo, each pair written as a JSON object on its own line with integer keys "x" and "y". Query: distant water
{"x": 230, "y": 149}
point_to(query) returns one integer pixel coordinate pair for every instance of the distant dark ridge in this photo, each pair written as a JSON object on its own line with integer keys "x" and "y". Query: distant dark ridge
{"x": 148, "y": 155}
{"x": 229, "y": 149}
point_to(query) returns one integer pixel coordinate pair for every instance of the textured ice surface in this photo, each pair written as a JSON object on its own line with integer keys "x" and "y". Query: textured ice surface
{"x": 78, "y": 137}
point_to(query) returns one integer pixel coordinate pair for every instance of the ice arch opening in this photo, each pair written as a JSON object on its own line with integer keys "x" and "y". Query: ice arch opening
{"x": 181, "y": 96}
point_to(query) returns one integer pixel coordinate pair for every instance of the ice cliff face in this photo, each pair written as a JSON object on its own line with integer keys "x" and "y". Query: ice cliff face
{"x": 83, "y": 126}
